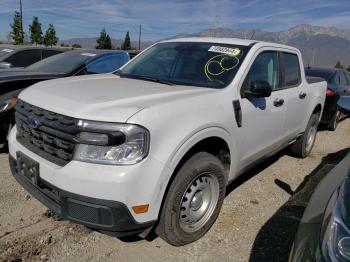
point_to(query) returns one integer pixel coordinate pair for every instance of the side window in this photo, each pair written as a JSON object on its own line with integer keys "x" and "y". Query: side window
{"x": 25, "y": 58}
{"x": 337, "y": 78}
{"x": 48, "y": 53}
{"x": 264, "y": 68}
{"x": 347, "y": 77}
{"x": 107, "y": 64}
{"x": 291, "y": 70}
{"x": 342, "y": 79}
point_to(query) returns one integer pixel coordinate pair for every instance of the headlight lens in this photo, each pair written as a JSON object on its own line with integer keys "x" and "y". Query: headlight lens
{"x": 7, "y": 104}
{"x": 336, "y": 238}
{"x": 115, "y": 144}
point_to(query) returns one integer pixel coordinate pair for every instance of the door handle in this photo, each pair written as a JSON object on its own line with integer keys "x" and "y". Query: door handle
{"x": 278, "y": 102}
{"x": 302, "y": 95}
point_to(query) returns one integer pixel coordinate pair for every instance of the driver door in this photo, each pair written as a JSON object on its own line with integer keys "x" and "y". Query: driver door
{"x": 262, "y": 118}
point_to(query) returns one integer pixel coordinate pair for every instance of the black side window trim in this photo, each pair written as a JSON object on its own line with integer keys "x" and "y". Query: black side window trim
{"x": 282, "y": 75}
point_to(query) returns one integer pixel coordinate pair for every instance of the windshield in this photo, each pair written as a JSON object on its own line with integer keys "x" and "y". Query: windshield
{"x": 196, "y": 64}
{"x": 62, "y": 63}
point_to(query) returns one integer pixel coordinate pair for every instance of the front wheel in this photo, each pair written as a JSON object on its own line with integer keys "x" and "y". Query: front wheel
{"x": 302, "y": 147}
{"x": 193, "y": 201}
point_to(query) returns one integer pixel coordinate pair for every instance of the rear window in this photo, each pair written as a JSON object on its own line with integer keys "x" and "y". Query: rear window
{"x": 48, "y": 53}
{"x": 325, "y": 74}
{"x": 291, "y": 69}
{"x": 24, "y": 58}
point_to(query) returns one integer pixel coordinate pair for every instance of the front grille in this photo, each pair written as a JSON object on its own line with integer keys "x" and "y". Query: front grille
{"x": 52, "y": 136}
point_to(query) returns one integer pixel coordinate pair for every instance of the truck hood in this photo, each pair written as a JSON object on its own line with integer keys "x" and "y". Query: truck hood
{"x": 104, "y": 97}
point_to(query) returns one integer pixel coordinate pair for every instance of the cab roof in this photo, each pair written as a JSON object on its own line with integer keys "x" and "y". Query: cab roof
{"x": 233, "y": 41}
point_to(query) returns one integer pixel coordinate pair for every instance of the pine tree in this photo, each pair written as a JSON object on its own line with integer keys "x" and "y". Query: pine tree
{"x": 36, "y": 33}
{"x": 338, "y": 65}
{"x": 127, "y": 44}
{"x": 104, "y": 41}
{"x": 50, "y": 37}
{"x": 17, "y": 30}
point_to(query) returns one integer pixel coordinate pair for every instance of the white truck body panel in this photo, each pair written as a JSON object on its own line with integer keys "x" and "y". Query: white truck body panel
{"x": 177, "y": 117}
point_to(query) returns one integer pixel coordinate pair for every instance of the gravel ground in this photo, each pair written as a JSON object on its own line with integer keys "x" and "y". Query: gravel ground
{"x": 258, "y": 221}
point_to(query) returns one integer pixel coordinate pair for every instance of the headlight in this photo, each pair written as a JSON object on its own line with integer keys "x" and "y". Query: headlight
{"x": 109, "y": 143}
{"x": 336, "y": 237}
{"x": 7, "y": 104}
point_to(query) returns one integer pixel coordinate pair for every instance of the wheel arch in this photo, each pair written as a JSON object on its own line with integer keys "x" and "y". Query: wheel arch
{"x": 201, "y": 141}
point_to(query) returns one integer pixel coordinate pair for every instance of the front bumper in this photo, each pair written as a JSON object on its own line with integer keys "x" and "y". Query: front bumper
{"x": 104, "y": 215}
{"x": 127, "y": 186}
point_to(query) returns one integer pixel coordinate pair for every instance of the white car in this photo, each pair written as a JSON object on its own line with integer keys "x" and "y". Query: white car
{"x": 154, "y": 145}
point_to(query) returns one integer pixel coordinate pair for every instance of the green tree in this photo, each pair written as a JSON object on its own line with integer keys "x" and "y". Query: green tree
{"x": 76, "y": 46}
{"x": 104, "y": 41}
{"x": 17, "y": 30}
{"x": 127, "y": 43}
{"x": 339, "y": 65}
{"x": 50, "y": 37}
{"x": 348, "y": 69}
{"x": 36, "y": 33}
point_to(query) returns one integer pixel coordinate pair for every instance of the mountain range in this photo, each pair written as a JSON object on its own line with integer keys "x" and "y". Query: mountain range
{"x": 320, "y": 46}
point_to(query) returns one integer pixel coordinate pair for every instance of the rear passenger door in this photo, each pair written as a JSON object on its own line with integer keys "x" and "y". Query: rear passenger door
{"x": 296, "y": 94}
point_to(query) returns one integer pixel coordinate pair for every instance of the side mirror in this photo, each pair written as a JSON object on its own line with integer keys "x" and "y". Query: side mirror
{"x": 5, "y": 65}
{"x": 258, "y": 88}
{"x": 344, "y": 105}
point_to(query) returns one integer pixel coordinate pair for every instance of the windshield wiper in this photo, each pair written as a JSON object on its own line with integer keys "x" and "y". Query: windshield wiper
{"x": 146, "y": 78}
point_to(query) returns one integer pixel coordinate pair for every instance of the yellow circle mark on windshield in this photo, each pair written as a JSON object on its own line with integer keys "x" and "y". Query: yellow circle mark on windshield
{"x": 220, "y": 64}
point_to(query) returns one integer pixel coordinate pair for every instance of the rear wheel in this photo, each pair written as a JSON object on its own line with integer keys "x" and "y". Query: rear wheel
{"x": 334, "y": 122}
{"x": 193, "y": 201}
{"x": 304, "y": 144}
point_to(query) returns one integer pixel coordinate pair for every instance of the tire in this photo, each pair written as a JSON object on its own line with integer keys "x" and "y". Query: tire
{"x": 302, "y": 147}
{"x": 334, "y": 122}
{"x": 188, "y": 213}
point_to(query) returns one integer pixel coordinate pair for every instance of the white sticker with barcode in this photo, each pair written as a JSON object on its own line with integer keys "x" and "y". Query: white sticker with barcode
{"x": 225, "y": 50}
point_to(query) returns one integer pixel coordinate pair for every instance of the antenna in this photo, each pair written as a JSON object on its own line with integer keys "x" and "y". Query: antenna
{"x": 312, "y": 59}
{"x": 140, "y": 38}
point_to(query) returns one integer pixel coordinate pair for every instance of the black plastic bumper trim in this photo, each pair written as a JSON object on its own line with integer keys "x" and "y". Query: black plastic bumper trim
{"x": 109, "y": 217}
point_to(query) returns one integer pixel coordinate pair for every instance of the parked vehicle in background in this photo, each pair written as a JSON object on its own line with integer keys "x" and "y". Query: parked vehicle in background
{"x": 338, "y": 81}
{"x": 324, "y": 230}
{"x": 157, "y": 142}
{"x": 72, "y": 63}
{"x": 14, "y": 56}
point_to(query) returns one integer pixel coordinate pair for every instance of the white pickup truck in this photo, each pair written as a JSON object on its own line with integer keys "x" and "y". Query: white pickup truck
{"x": 154, "y": 145}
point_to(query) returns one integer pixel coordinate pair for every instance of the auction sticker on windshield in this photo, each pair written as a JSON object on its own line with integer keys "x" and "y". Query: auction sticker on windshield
{"x": 88, "y": 54}
{"x": 225, "y": 50}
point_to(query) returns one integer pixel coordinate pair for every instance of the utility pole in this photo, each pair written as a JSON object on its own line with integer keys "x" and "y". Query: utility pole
{"x": 140, "y": 38}
{"x": 21, "y": 11}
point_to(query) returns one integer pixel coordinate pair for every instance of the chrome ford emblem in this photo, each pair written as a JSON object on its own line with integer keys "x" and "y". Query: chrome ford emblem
{"x": 32, "y": 122}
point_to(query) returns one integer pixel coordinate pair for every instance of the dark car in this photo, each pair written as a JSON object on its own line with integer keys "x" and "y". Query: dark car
{"x": 324, "y": 230}
{"x": 73, "y": 63}
{"x": 14, "y": 56}
{"x": 338, "y": 85}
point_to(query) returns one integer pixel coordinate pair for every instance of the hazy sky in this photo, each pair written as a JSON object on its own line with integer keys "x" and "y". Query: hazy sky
{"x": 162, "y": 19}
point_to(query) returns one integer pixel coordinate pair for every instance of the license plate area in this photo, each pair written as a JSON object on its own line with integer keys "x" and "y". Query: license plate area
{"x": 28, "y": 168}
